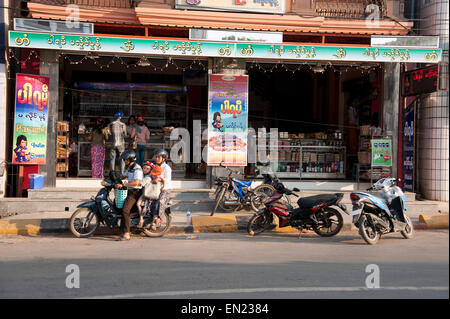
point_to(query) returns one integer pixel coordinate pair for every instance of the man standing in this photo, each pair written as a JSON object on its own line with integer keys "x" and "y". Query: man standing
{"x": 119, "y": 131}
{"x": 135, "y": 175}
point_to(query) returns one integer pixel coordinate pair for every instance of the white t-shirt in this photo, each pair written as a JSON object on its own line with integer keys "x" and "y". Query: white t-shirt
{"x": 167, "y": 176}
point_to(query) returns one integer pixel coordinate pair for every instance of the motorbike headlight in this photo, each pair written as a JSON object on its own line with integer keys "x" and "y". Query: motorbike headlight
{"x": 105, "y": 183}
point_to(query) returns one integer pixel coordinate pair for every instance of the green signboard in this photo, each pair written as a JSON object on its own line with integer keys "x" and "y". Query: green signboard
{"x": 381, "y": 153}
{"x": 164, "y": 47}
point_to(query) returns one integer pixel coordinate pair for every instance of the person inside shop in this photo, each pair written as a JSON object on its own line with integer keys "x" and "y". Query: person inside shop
{"x": 118, "y": 130}
{"x": 142, "y": 135}
{"x": 131, "y": 125}
{"x": 159, "y": 206}
{"x": 98, "y": 137}
{"x": 352, "y": 125}
{"x": 152, "y": 189}
{"x": 135, "y": 176}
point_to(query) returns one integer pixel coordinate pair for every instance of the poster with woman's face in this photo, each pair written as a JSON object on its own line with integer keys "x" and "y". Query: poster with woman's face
{"x": 227, "y": 120}
{"x": 30, "y": 119}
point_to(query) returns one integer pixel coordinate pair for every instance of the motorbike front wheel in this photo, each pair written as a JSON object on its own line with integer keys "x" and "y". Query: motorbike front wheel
{"x": 259, "y": 223}
{"x": 409, "y": 230}
{"x": 84, "y": 222}
{"x": 367, "y": 232}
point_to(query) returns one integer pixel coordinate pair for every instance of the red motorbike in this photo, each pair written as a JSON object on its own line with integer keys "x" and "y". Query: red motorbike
{"x": 317, "y": 213}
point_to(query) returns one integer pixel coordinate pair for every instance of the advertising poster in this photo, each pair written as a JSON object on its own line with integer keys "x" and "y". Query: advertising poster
{"x": 408, "y": 148}
{"x": 381, "y": 153}
{"x": 227, "y": 120}
{"x": 30, "y": 119}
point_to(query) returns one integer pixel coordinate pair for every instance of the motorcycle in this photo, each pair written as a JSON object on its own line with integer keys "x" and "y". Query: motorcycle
{"x": 100, "y": 209}
{"x": 232, "y": 194}
{"x": 317, "y": 213}
{"x": 374, "y": 216}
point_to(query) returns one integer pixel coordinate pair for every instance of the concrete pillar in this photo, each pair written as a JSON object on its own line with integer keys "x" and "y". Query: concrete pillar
{"x": 390, "y": 108}
{"x": 49, "y": 67}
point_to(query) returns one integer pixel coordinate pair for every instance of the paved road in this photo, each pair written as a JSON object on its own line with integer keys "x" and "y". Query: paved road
{"x": 221, "y": 265}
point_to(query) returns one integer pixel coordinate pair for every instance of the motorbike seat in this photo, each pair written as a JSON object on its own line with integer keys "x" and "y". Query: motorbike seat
{"x": 311, "y": 201}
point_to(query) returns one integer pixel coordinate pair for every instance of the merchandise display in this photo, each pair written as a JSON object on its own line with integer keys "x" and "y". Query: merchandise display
{"x": 307, "y": 155}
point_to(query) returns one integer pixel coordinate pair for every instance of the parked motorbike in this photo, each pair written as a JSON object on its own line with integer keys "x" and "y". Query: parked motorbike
{"x": 232, "y": 194}
{"x": 317, "y": 213}
{"x": 100, "y": 209}
{"x": 376, "y": 216}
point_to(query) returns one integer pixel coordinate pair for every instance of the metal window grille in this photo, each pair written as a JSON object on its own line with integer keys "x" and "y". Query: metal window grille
{"x": 348, "y": 8}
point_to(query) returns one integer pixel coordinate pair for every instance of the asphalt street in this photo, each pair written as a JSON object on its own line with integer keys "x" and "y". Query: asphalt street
{"x": 225, "y": 265}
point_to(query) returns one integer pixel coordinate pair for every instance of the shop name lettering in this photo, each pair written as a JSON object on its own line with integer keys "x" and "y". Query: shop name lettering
{"x": 393, "y": 54}
{"x": 38, "y": 98}
{"x": 183, "y": 47}
{"x": 227, "y": 108}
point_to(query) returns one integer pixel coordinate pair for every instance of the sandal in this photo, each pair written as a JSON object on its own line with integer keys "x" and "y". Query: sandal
{"x": 140, "y": 225}
{"x": 122, "y": 238}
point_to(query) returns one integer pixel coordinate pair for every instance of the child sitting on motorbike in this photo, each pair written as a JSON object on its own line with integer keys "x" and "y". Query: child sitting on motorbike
{"x": 151, "y": 176}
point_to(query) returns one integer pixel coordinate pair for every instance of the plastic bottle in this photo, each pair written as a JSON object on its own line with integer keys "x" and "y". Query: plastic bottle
{"x": 188, "y": 217}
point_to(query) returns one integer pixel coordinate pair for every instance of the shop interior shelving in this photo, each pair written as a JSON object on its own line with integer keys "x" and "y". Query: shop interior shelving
{"x": 307, "y": 158}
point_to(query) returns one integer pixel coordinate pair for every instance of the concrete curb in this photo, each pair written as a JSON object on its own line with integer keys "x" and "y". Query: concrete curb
{"x": 199, "y": 224}
{"x": 434, "y": 221}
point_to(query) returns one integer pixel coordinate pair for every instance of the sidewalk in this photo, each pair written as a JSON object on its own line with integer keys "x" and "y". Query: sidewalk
{"x": 57, "y": 222}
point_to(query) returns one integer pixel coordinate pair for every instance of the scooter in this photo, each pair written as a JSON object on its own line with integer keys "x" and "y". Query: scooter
{"x": 100, "y": 209}
{"x": 317, "y": 213}
{"x": 375, "y": 216}
{"x": 232, "y": 194}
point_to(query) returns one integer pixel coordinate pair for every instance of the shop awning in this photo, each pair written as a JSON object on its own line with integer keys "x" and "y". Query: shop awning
{"x": 167, "y": 17}
{"x": 87, "y": 14}
{"x": 265, "y": 22}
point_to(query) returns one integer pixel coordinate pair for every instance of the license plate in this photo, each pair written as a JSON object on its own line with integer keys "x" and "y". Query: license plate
{"x": 355, "y": 214}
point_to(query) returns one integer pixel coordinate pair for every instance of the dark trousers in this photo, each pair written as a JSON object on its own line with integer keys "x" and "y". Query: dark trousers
{"x": 132, "y": 198}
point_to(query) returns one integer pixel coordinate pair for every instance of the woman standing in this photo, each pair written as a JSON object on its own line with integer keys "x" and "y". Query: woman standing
{"x": 142, "y": 135}
{"x": 98, "y": 137}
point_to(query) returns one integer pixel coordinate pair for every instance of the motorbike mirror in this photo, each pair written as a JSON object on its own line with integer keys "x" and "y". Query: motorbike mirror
{"x": 296, "y": 189}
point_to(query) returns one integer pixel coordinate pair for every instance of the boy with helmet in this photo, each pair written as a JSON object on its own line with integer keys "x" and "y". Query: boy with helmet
{"x": 119, "y": 131}
{"x": 151, "y": 173}
{"x": 160, "y": 205}
{"x": 135, "y": 175}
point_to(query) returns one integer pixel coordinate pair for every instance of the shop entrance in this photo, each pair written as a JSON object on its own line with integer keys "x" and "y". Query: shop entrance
{"x": 318, "y": 112}
{"x": 167, "y": 98}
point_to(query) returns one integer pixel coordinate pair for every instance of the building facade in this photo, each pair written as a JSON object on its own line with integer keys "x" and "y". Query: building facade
{"x": 323, "y": 83}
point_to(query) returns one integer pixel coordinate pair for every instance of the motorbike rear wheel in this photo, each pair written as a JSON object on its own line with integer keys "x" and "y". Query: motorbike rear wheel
{"x": 409, "y": 230}
{"x": 367, "y": 232}
{"x": 84, "y": 222}
{"x": 259, "y": 223}
{"x": 330, "y": 222}
{"x": 161, "y": 228}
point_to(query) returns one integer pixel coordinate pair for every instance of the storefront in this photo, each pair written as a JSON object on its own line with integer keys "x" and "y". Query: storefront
{"x": 327, "y": 102}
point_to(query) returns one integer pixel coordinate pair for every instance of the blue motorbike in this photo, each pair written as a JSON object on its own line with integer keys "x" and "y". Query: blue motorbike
{"x": 375, "y": 216}
{"x": 232, "y": 194}
{"x": 102, "y": 210}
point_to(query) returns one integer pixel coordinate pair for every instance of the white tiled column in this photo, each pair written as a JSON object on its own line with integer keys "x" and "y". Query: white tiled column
{"x": 433, "y": 118}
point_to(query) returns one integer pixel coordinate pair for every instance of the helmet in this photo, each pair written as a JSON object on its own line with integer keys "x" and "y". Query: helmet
{"x": 148, "y": 163}
{"x": 129, "y": 155}
{"x": 162, "y": 152}
{"x": 118, "y": 114}
{"x": 100, "y": 119}
{"x": 140, "y": 119}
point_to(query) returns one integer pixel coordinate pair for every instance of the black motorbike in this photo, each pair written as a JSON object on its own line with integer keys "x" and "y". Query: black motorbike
{"x": 101, "y": 209}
